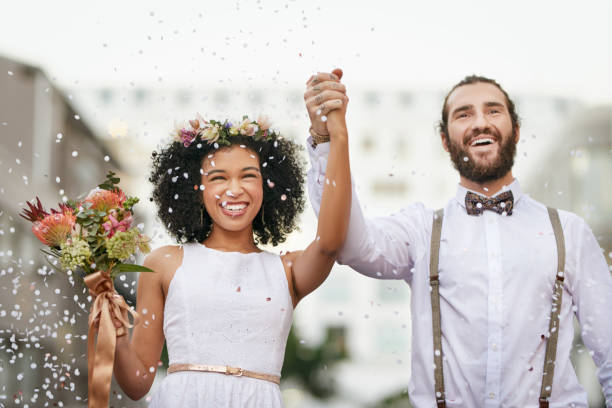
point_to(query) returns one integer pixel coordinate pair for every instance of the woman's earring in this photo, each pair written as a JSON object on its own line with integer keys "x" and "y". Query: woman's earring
{"x": 263, "y": 223}
{"x": 202, "y": 216}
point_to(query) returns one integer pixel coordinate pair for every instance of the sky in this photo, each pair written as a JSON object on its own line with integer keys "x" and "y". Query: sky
{"x": 557, "y": 48}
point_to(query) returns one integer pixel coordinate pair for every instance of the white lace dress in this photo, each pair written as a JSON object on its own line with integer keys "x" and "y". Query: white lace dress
{"x": 225, "y": 308}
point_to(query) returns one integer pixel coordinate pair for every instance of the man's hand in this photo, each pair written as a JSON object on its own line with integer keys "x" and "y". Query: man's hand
{"x": 324, "y": 93}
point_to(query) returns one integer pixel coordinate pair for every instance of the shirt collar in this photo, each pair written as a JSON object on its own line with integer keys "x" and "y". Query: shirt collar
{"x": 515, "y": 187}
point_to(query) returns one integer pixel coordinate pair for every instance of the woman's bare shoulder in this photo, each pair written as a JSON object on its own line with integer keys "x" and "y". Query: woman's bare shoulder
{"x": 165, "y": 259}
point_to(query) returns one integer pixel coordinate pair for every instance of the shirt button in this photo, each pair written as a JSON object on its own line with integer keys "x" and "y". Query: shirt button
{"x": 492, "y": 395}
{"x": 494, "y": 347}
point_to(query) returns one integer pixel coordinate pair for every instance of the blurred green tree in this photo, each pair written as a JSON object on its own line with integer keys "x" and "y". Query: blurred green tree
{"x": 310, "y": 366}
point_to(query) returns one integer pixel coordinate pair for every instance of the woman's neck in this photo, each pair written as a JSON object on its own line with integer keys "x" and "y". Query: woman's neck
{"x": 231, "y": 241}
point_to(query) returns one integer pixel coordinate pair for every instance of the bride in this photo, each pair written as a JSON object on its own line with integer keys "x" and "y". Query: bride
{"x": 223, "y": 305}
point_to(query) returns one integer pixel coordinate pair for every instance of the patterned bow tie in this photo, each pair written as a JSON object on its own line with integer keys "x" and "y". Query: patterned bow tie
{"x": 501, "y": 203}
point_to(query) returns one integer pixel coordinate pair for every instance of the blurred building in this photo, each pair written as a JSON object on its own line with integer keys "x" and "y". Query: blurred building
{"x": 46, "y": 151}
{"x": 575, "y": 176}
{"x": 396, "y": 159}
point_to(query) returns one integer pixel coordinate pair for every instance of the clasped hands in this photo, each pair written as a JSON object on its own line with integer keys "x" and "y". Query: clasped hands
{"x": 326, "y": 102}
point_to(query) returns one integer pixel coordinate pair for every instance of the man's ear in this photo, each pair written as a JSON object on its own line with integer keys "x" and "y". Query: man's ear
{"x": 444, "y": 141}
{"x": 518, "y": 134}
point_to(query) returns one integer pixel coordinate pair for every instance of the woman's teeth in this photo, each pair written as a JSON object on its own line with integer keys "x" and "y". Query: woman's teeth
{"x": 233, "y": 207}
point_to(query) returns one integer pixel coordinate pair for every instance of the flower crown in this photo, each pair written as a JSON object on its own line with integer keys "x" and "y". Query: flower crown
{"x": 212, "y": 131}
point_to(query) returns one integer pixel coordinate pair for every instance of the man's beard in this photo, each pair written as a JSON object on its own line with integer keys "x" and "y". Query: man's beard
{"x": 482, "y": 173}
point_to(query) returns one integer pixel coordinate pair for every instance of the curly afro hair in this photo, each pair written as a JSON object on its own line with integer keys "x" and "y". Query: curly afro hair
{"x": 176, "y": 179}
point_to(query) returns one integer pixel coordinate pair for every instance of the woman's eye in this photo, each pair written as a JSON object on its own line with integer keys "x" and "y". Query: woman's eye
{"x": 217, "y": 178}
{"x": 250, "y": 175}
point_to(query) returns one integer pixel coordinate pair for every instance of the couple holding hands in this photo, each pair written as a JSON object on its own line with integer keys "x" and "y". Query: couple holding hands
{"x": 496, "y": 277}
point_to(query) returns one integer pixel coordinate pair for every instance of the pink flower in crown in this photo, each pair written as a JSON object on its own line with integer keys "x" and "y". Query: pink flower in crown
{"x": 187, "y": 136}
{"x": 264, "y": 122}
{"x": 112, "y": 225}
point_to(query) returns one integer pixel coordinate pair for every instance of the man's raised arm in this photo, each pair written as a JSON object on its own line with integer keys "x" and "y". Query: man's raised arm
{"x": 383, "y": 247}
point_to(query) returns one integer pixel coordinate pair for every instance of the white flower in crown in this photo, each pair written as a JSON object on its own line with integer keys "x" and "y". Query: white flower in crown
{"x": 247, "y": 128}
{"x": 264, "y": 122}
{"x": 210, "y": 133}
{"x": 176, "y": 133}
{"x": 234, "y": 130}
{"x": 198, "y": 123}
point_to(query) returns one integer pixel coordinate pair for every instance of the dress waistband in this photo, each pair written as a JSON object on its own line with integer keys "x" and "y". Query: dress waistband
{"x": 227, "y": 370}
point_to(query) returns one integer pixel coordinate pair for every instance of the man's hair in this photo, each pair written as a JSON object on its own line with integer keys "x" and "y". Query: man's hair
{"x": 474, "y": 79}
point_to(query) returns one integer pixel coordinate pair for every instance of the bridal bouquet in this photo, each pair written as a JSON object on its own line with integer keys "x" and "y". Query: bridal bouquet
{"x": 95, "y": 235}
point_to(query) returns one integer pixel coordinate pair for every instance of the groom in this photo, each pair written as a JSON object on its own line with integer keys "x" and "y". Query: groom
{"x": 495, "y": 276}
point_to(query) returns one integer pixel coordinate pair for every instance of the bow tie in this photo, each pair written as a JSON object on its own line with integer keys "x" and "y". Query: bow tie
{"x": 501, "y": 203}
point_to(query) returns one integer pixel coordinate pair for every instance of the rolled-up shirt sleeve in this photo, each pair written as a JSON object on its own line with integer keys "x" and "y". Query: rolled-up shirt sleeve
{"x": 591, "y": 294}
{"x": 381, "y": 247}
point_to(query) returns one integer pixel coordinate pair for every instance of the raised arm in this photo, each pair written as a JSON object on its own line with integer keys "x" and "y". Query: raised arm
{"x": 383, "y": 247}
{"x": 310, "y": 267}
{"x": 136, "y": 358}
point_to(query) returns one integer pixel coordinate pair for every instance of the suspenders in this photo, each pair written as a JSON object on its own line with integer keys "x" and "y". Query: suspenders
{"x": 553, "y": 329}
{"x": 434, "y": 256}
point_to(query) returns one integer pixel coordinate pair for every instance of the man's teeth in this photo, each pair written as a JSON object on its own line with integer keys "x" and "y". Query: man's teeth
{"x": 485, "y": 140}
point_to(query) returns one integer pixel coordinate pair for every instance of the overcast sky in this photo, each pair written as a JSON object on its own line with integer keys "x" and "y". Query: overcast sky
{"x": 536, "y": 47}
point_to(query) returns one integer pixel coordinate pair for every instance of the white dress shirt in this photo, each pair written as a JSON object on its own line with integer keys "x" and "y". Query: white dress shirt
{"x": 496, "y": 285}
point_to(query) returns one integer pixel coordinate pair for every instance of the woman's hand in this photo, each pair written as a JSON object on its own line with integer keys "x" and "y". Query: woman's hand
{"x": 309, "y": 268}
{"x": 325, "y": 94}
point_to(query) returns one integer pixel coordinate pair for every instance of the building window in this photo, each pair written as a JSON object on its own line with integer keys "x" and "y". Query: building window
{"x": 372, "y": 98}
{"x": 405, "y": 98}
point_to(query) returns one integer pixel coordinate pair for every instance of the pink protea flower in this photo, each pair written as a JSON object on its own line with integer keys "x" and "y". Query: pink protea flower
{"x": 112, "y": 225}
{"x": 54, "y": 229}
{"x": 105, "y": 200}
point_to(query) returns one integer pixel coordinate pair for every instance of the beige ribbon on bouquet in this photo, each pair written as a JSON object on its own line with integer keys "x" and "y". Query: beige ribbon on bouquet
{"x": 101, "y": 352}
